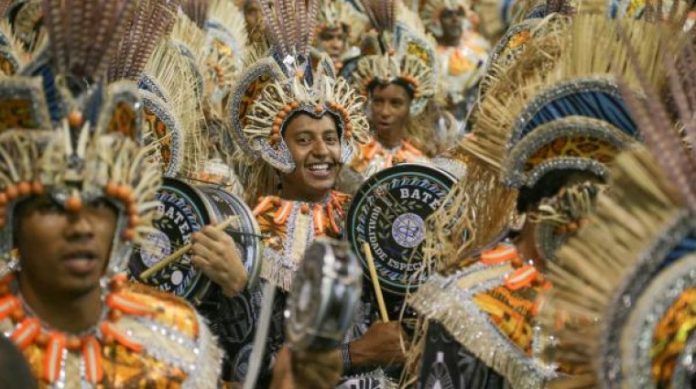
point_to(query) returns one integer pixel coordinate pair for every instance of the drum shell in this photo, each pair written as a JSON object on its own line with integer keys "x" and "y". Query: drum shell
{"x": 188, "y": 208}
{"x": 389, "y": 212}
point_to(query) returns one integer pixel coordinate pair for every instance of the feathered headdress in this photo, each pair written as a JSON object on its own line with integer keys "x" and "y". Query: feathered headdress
{"x": 635, "y": 263}
{"x": 151, "y": 20}
{"x": 171, "y": 111}
{"x": 340, "y": 14}
{"x": 275, "y": 88}
{"x": 405, "y": 54}
{"x": 69, "y": 134}
{"x": 431, "y": 10}
{"x": 225, "y": 50}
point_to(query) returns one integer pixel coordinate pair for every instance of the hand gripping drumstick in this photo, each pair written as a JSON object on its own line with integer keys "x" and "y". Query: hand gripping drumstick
{"x": 181, "y": 251}
{"x": 375, "y": 283}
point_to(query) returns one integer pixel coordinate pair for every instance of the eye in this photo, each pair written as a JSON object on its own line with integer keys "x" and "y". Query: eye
{"x": 331, "y": 138}
{"x": 303, "y": 139}
{"x": 48, "y": 206}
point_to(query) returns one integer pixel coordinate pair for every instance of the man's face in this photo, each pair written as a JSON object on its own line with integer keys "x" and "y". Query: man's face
{"x": 64, "y": 252}
{"x": 316, "y": 149}
{"x": 332, "y": 41}
{"x": 389, "y": 108}
{"x": 451, "y": 21}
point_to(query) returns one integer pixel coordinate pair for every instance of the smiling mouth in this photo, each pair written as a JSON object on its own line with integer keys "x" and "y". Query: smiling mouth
{"x": 320, "y": 169}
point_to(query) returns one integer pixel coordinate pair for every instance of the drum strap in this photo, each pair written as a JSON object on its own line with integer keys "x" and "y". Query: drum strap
{"x": 269, "y": 290}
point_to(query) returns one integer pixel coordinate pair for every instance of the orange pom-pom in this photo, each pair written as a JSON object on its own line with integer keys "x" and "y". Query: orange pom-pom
{"x": 37, "y": 188}
{"x": 277, "y": 121}
{"x": 132, "y": 210}
{"x": 75, "y": 119}
{"x": 73, "y": 203}
{"x": 3, "y": 199}
{"x": 124, "y": 192}
{"x": 133, "y": 220}
{"x": 24, "y": 188}
{"x": 111, "y": 189}
{"x": 12, "y": 192}
{"x": 128, "y": 234}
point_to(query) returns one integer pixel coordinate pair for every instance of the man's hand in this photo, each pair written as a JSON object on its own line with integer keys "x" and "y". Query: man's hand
{"x": 215, "y": 253}
{"x": 296, "y": 370}
{"x": 380, "y": 346}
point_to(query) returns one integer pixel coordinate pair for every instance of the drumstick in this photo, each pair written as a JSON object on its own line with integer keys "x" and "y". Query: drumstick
{"x": 180, "y": 252}
{"x": 375, "y": 283}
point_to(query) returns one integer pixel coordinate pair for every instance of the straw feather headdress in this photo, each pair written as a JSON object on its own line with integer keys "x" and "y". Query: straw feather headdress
{"x": 275, "y": 88}
{"x": 340, "y": 14}
{"x": 69, "y": 134}
{"x": 635, "y": 263}
{"x": 431, "y": 10}
{"x": 405, "y": 54}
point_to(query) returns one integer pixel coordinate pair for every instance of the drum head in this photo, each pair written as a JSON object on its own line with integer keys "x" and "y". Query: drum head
{"x": 184, "y": 212}
{"x": 245, "y": 231}
{"x": 389, "y": 213}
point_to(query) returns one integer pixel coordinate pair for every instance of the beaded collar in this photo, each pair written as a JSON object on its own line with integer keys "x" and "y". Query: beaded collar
{"x": 290, "y": 226}
{"x": 29, "y": 330}
{"x": 374, "y": 157}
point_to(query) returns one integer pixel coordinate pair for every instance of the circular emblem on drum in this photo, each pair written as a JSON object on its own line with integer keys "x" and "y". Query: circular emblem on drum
{"x": 182, "y": 213}
{"x": 389, "y": 213}
{"x": 408, "y": 230}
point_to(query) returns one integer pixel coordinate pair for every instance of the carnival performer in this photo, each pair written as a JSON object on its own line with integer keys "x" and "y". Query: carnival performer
{"x": 75, "y": 200}
{"x": 297, "y": 124}
{"x": 551, "y": 160}
{"x": 462, "y": 51}
{"x": 398, "y": 85}
{"x": 184, "y": 73}
{"x": 338, "y": 30}
{"x": 638, "y": 247}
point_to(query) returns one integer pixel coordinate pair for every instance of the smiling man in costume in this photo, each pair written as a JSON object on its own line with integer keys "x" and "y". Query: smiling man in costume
{"x": 298, "y": 124}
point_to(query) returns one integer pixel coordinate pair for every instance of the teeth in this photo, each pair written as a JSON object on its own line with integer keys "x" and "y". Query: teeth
{"x": 319, "y": 166}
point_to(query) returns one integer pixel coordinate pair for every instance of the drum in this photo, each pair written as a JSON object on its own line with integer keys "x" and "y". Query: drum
{"x": 389, "y": 213}
{"x": 185, "y": 209}
{"x": 324, "y": 298}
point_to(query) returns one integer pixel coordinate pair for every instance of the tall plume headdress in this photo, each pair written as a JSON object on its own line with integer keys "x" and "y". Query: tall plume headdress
{"x": 65, "y": 132}
{"x": 276, "y": 88}
{"x": 404, "y": 54}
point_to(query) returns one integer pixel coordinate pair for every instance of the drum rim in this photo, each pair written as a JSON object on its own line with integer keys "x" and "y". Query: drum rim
{"x": 394, "y": 287}
{"x": 254, "y": 274}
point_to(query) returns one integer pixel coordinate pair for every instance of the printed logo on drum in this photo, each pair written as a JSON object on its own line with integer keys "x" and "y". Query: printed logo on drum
{"x": 389, "y": 214}
{"x": 177, "y": 221}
